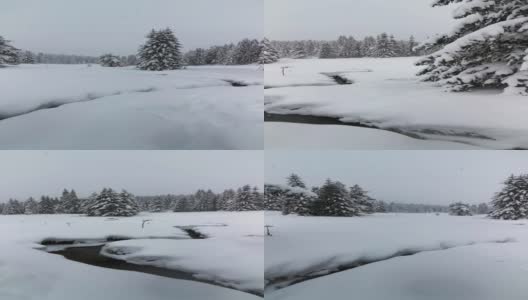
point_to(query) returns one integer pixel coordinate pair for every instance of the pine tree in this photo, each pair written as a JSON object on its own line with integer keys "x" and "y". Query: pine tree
{"x": 511, "y": 203}
{"x": 459, "y": 209}
{"x": 182, "y": 205}
{"x": 8, "y": 53}
{"x": 160, "y": 52}
{"x": 268, "y": 54}
{"x": 244, "y": 200}
{"x": 327, "y": 51}
{"x": 295, "y": 181}
{"x": 26, "y": 57}
{"x": 13, "y": 207}
{"x": 69, "y": 203}
{"x": 334, "y": 200}
{"x": 247, "y": 52}
{"x": 363, "y": 202}
{"x": 109, "y": 203}
{"x": 46, "y": 205}
{"x": 156, "y": 205}
{"x": 297, "y": 200}
{"x": 482, "y": 209}
{"x": 384, "y": 46}
{"x": 227, "y": 199}
{"x": 30, "y": 206}
{"x": 258, "y": 198}
{"x": 86, "y": 203}
{"x": 298, "y": 51}
{"x": 411, "y": 45}
{"x": 273, "y": 197}
{"x": 110, "y": 60}
{"x": 487, "y": 49}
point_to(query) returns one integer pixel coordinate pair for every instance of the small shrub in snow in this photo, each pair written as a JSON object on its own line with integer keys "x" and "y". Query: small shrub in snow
{"x": 109, "y": 60}
{"x": 511, "y": 203}
{"x": 459, "y": 209}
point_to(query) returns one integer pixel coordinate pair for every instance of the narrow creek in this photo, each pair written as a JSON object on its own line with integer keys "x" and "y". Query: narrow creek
{"x": 88, "y": 251}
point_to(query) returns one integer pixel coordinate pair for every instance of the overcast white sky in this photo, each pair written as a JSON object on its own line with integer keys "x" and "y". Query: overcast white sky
{"x": 33, "y": 173}
{"x": 432, "y": 177}
{"x": 327, "y": 19}
{"x": 119, "y": 26}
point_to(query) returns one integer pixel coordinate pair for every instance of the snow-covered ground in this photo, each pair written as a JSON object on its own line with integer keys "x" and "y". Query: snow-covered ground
{"x": 400, "y": 256}
{"x": 125, "y": 108}
{"x": 280, "y": 135}
{"x": 232, "y": 254}
{"x": 386, "y": 93}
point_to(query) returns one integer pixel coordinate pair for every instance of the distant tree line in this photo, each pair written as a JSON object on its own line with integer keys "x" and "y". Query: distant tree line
{"x": 245, "y": 52}
{"x": 332, "y": 198}
{"x": 161, "y": 51}
{"x": 383, "y": 45}
{"x": 111, "y": 203}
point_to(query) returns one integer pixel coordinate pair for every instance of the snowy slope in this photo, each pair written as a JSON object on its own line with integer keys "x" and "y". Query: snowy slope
{"x": 124, "y": 108}
{"x": 28, "y": 273}
{"x": 387, "y": 94}
{"x": 280, "y": 135}
{"x": 466, "y": 252}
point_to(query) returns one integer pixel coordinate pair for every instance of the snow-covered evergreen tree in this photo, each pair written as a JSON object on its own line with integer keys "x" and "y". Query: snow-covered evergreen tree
{"x": 182, "y": 205}
{"x": 30, "y": 206}
{"x": 247, "y": 52}
{"x": 268, "y": 54}
{"x": 69, "y": 203}
{"x": 380, "y": 206}
{"x": 482, "y": 209}
{"x": 327, "y": 51}
{"x": 8, "y": 53}
{"x": 362, "y": 201}
{"x": 297, "y": 200}
{"x": 511, "y": 203}
{"x": 226, "y": 199}
{"x": 46, "y": 205}
{"x": 385, "y": 46}
{"x": 488, "y": 48}
{"x": 459, "y": 209}
{"x": 156, "y": 205}
{"x": 26, "y": 57}
{"x": 109, "y": 203}
{"x": 295, "y": 180}
{"x": 160, "y": 52}
{"x": 273, "y": 197}
{"x": 298, "y": 51}
{"x": 244, "y": 200}
{"x": 109, "y": 60}
{"x": 13, "y": 207}
{"x": 334, "y": 200}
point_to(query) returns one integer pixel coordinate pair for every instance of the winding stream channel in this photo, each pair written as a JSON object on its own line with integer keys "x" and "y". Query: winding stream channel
{"x": 88, "y": 251}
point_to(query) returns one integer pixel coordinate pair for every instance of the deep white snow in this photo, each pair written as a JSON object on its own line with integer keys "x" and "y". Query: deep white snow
{"x": 125, "y": 108}
{"x": 28, "y": 273}
{"x": 457, "y": 257}
{"x": 386, "y": 93}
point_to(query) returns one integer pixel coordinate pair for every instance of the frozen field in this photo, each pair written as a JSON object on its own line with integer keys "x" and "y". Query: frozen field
{"x": 385, "y": 93}
{"x": 231, "y": 255}
{"x": 81, "y": 107}
{"x": 397, "y": 257}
